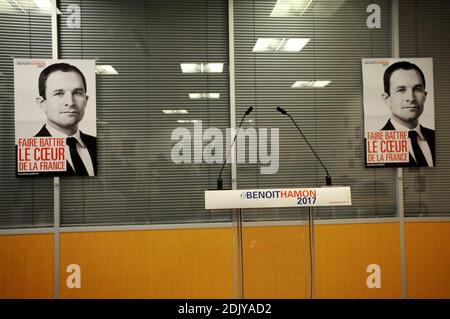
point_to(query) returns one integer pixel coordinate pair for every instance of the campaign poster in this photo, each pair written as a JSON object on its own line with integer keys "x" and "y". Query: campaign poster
{"x": 399, "y": 126}
{"x": 55, "y": 117}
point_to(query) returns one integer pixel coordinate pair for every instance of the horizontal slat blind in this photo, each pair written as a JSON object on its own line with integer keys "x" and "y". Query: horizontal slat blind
{"x": 145, "y": 41}
{"x": 424, "y": 32}
{"x": 25, "y": 32}
{"x": 331, "y": 117}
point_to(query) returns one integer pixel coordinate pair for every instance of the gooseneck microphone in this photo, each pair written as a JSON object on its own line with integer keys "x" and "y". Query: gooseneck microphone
{"x": 219, "y": 180}
{"x": 328, "y": 177}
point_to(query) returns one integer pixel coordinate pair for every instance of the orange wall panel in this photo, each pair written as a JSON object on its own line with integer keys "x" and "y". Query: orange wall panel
{"x": 199, "y": 263}
{"x": 428, "y": 259}
{"x": 26, "y": 266}
{"x": 343, "y": 252}
{"x": 191, "y": 263}
{"x": 276, "y": 263}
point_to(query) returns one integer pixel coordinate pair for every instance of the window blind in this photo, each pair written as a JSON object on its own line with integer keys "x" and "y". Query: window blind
{"x": 25, "y": 32}
{"x": 145, "y": 41}
{"x": 423, "y": 33}
{"x": 331, "y": 117}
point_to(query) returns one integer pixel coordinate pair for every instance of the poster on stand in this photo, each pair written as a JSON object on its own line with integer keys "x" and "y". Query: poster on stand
{"x": 55, "y": 117}
{"x": 399, "y": 125}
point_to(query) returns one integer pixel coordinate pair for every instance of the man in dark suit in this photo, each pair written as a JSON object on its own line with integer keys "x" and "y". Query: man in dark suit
{"x": 404, "y": 94}
{"x": 62, "y": 90}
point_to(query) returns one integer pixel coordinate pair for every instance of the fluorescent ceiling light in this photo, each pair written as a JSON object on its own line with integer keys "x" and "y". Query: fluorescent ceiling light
{"x": 201, "y": 67}
{"x": 302, "y": 84}
{"x": 212, "y": 95}
{"x": 187, "y": 121}
{"x": 213, "y": 67}
{"x": 196, "y": 96}
{"x": 26, "y": 6}
{"x": 175, "y": 111}
{"x": 321, "y": 84}
{"x": 289, "y": 8}
{"x": 190, "y": 67}
{"x": 309, "y": 84}
{"x": 279, "y": 44}
{"x": 294, "y": 45}
{"x": 264, "y": 44}
{"x": 292, "y": 8}
{"x": 45, "y": 5}
{"x": 105, "y": 70}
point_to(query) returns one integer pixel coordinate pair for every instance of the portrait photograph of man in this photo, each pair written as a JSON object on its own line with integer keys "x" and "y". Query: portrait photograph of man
{"x": 399, "y": 112}
{"x": 55, "y": 129}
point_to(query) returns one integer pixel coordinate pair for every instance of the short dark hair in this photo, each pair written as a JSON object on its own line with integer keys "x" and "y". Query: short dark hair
{"x": 63, "y": 67}
{"x": 402, "y": 65}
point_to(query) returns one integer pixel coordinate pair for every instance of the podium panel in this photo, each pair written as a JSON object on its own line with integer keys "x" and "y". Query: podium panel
{"x": 276, "y": 198}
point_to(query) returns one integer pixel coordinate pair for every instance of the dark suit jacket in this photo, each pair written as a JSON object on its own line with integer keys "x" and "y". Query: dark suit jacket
{"x": 429, "y": 136}
{"x": 88, "y": 140}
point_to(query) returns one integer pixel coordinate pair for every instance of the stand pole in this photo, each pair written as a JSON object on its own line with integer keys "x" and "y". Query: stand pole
{"x": 311, "y": 251}
{"x": 239, "y": 265}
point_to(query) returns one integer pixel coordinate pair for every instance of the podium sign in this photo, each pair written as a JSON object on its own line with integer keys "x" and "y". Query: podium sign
{"x": 282, "y": 197}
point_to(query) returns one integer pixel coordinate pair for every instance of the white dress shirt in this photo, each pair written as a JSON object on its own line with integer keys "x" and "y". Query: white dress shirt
{"x": 81, "y": 149}
{"x": 423, "y": 144}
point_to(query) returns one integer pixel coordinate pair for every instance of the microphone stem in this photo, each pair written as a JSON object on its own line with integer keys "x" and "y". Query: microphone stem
{"x": 306, "y": 140}
{"x": 235, "y": 136}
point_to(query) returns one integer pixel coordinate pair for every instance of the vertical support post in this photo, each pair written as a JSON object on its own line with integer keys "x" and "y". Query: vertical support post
{"x": 238, "y": 265}
{"x": 239, "y": 260}
{"x": 232, "y": 89}
{"x": 399, "y": 171}
{"x": 56, "y": 232}
{"x": 56, "y": 182}
{"x": 54, "y": 20}
{"x": 311, "y": 251}
{"x": 401, "y": 216}
{"x": 240, "y": 254}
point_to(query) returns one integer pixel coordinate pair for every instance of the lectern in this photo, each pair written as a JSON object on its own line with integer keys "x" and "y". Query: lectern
{"x": 276, "y": 198}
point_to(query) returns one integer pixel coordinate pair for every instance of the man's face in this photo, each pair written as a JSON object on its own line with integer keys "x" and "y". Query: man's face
{"x": 65, "y": 101}
{"x": 407, "y": 97}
